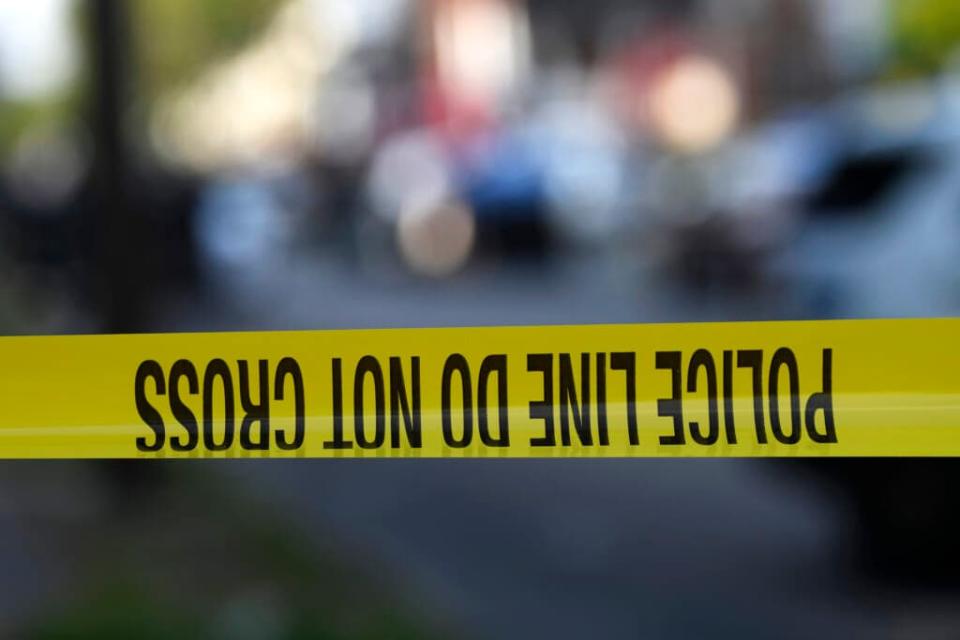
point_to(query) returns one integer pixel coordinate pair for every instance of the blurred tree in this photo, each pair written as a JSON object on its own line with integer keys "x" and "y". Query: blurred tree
{"x": 56, "y": 106}
{"x": 925, "y": 34}
{"x": 173, "y": 41}
{"x": 177, "y": 39}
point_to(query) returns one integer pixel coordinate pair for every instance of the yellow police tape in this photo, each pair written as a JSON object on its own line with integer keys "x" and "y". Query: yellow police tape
{"x": 835, "y": 388}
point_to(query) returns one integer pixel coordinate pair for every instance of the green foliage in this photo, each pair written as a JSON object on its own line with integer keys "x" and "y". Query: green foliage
{"x": 116, "y": 613}
{"x": 925, "y": 33}
{"x": 177, "y": 39}
{"x": 172, "y": 42}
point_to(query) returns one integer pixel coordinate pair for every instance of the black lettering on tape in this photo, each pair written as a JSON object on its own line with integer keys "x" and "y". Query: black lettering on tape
{"x": 627, "y": 362}
{"x": 494, "y": 364}
{"x": 183, "y": 414}
{"x": 217, "y": 368}
{"x": 543, "y": 409}
{"x": 456, "y": 363}
{"x": 823, "y": 401}
{"x": 150, "y": 416}
{"x": 728, "y": 419}
{"x": 369, "y": 365}
{"x": 602, "y": 433}
{"x": 407, "y": 408}
{"x": 289, "y": 368}
{"x": 569, "y": 406}
{"x": 339, "y": 441}
{"x": 702, "y": 359}
{"x": 255, "y": 412}
{"x": 672, "y": 407}
{"x": 784, "y": 357}
{"x": 753, "y": 360}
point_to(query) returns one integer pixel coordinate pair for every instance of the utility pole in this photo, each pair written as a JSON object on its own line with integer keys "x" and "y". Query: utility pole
{"x": 117, "y": 286}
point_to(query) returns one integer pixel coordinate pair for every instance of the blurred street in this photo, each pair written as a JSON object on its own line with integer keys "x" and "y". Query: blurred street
{"x": 626, "y": 549}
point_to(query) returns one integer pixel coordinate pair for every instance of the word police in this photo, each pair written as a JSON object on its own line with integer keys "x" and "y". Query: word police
{"x": 570, "y": 406}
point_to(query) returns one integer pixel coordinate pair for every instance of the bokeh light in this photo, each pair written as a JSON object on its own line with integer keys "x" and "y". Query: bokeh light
{"x": 694, "y": 104}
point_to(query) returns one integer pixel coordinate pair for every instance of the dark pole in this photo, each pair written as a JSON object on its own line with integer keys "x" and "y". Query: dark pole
{"x": 115, "y": 266}
{"x": 117, "y": 289}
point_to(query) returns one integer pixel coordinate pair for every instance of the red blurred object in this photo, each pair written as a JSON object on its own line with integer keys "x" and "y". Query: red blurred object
{"x": 476, "y": 54}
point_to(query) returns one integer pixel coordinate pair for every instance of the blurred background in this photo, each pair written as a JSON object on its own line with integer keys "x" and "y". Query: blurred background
{"x": 209, "y": 165}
